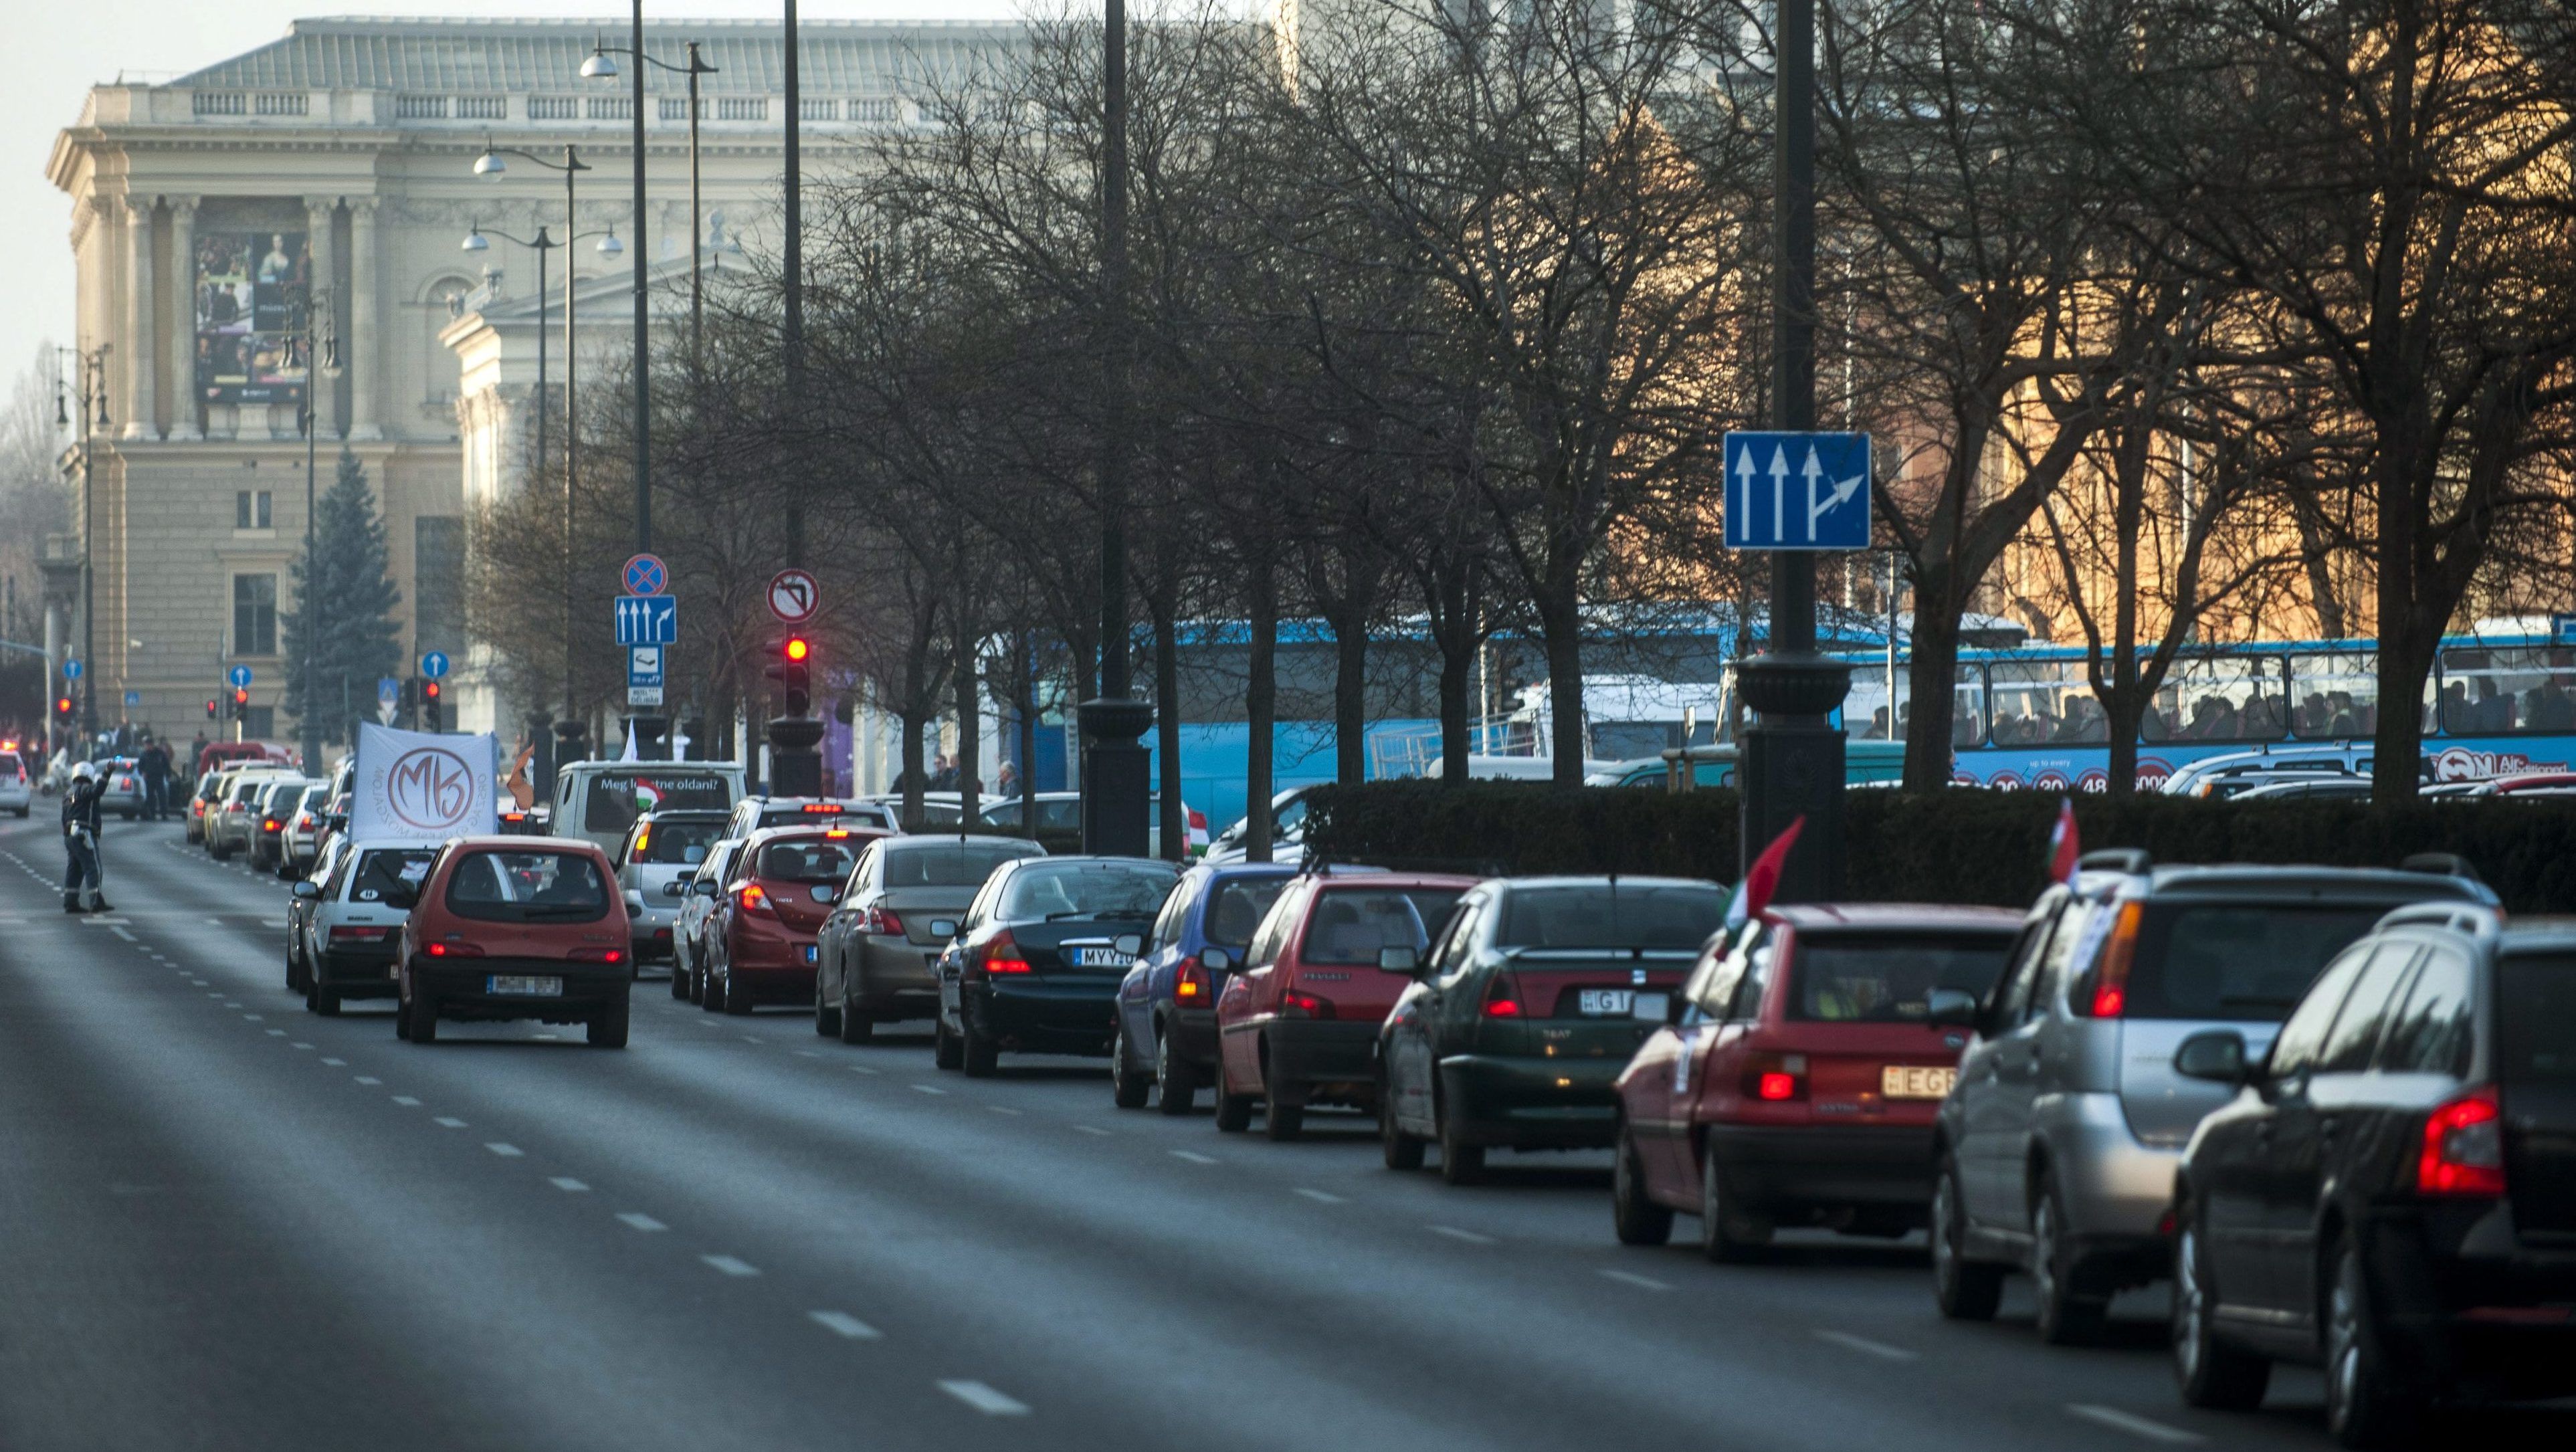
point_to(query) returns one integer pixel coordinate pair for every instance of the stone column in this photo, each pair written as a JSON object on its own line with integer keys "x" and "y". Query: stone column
{"x": 138, "y": 422}
{"x": 360, "y": 349}
{"x": 182, "y": 313}
{"x": 318, "y": 241}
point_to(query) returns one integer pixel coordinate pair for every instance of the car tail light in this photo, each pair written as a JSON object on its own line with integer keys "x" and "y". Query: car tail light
{"x": 596, "y": 955}
{"x": 879, "y": 921}
{"x": 643, "y": 840}
{"x": 243, "y": 807}
{"x": 1307, "y": 1005}
{"x": 754, "y": 898}
{"x": 270, "y": 824}
{"x": 374, "y": 935}
{"x": 822, "y": 809}
{"x": 836, "y": 834}
{"x": 1776, "y": 1078}
{"x": 1191, "y": 989}
{"x": 1503, "y": 997}
{"x": 2463, "y": 1147}
{"x": 125, "y": 783}
{"x": 1003, "y": 955}
{"x": 2104, "y": 992}
{"x": 454, "y": 950}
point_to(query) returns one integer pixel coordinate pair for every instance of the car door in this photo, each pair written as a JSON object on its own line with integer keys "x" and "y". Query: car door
{"x": 2236, "y": 1185}
{"x": 2309, "y": 1123}
{"x": 1247, "y": 997}
{"x": 952, "y": 959}
{"x": 1999, "y": 1074}
{"x": 1412, "y": 1028}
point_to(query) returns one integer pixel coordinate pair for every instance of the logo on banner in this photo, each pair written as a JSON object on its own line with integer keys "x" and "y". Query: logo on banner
{"x": 431, "y": 789}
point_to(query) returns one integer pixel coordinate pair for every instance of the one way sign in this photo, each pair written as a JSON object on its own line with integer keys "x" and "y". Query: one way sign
{"x": 1797, "y": 491}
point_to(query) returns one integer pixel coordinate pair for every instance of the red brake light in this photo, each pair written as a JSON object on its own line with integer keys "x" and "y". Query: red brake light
{"x": 1502, "y": 997}
{"x": 454, "y": 950}
{"x": 879, "y": 921}
{"x": 1191, "y": 988}
{"x": 2463, "y": 1147}
{"x": 1003, "y": 955}
{"x": 822, "y": 809}
{"x": 1776, "y": 1078}
{"x": 836, "y": 834}
{"x": 597, "y": 955}
{"x": 755, "y": 899}
{"x": 376, "y": 935}
{"x": 2110, "y": 976}
{"x": 1307, "y": 1005}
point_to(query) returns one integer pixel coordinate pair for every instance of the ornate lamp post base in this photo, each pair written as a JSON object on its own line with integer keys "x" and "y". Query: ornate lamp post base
{"x": 1792, "y": 766}
{"x": 1117, "y": 819}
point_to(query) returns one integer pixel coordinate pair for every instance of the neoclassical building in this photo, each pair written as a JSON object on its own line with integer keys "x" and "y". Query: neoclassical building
{"x": 334, "y": 169}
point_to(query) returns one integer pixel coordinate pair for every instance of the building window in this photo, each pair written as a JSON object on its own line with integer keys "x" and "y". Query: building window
{"x": 823, "y": 110}
{"x": 438, "y": 584}
{"x": 875, "y": 108}
{"x": 742, "y": 108}
{"x": 420, "y": 108}
{"x": 282, "y": 103}
{"x": 482, "y": 108}
{"x": 611, "y": 108}
{"x": 554, "y": 108}
{"x": 220, "y": 103}
{"x": 254, "y": 615}
{"x": 250, "y": 510}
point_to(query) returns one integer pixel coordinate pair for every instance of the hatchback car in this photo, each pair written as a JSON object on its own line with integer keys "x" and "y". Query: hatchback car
{"x": 515, "y": 928}
{"x": 1298, "y": 1026}
{"x": 271, "y": 809}
{"x": 299, "y": 915}
{"x": 1533, "y": 999}
{"x": 352, "y": 920}
{"x": 877, "y": 955}
{"x": 231, "y": 823}
{"x": 1037, "y": 962}
{"x": 753, "y": 813}
{"x": 305, "y": 827}
{"x": 2391, "y": 1193}
{"x": 2057, "y": 1149}
{"x": 697, "y": 909}
{"x": 654, "y": 864}
{"x": 1797, "y": 1079}
{"x": 1166, "y": 1030}
{"x": 17, "y": 790}
{"x": 760, "y": 940}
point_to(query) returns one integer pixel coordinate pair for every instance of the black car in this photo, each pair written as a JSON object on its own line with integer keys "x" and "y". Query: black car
{"x": 1524, "y": 1013}
{"x": 2392, "y": 1193}
{"x": 1037, "y": 960}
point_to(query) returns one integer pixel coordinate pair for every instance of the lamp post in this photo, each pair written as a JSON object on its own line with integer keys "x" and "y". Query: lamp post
{"x": 91, "y": 394}
{"x": 321, "y": 360}
{"x": 600, "y": 66}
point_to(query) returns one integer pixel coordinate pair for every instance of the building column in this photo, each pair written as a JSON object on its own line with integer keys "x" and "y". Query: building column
{"x": 182, "y": 313}
{"x": 360, "y": 348}
{"x": 138, "y": 421}
{"x": 319, "y": 296}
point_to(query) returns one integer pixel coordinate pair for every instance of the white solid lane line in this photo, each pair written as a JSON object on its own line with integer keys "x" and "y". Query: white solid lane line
{"x": 731, "y": 1266}
{"x": 641, "y": 1221}
{"x": 568, "y": 1185}
{"x": 2133, "y": 1424}
{"x": 1454, "y": 1233}
{"x": 984, "y": 1399}
{"x": 505, "y": 1151}
{"x": 1865, "y": 1346}
{"x": 1631, "y": 1278}
{"x": 842, "y": 1323}
{"x": 1320, "y": 1197}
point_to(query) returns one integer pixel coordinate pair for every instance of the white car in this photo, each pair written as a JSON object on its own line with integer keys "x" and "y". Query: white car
{"x": 229, "y": 820}
{"x": 661, "y": 853}
{"x": 688, "y": 933}
{"x": 352, "y": 926}
{"x": 17, "y": 788}
{"x": 2202, "y": 778}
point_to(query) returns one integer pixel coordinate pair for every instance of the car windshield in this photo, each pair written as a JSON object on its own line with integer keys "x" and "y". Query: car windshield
{"x": 814, "y": 860}
{"x": 2250, "y": 961}
{"x": 527, "y": 887}
{"x": 617, "y": 798}
{"x": 2536, "y": 1008}
{"x": 1238, "y": 906}
{"x": 391, "y": 875}
{"x": 1610, "y": 915}
{"x": 949, "y": 864}
{"x": 1887, "y": 977}
{"x": 677, "y": 844}
{"x": 1350, "y": 924}
{"x": 1087, "y": 890}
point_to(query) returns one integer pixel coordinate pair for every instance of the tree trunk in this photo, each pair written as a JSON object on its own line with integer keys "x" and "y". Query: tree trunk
{"x": 970, "y": 725}
{"x": 1027, "y": 707}
{"x": 2406, "y": 647}
{"x": 1929, "y": 676}
{"x": 1260, "y": 702}
{"x": 1563, "y": 629}
{"x": 1350, "y": 698}
{"x": 1457, "y": 668}
{"x": 1167, "y": 725}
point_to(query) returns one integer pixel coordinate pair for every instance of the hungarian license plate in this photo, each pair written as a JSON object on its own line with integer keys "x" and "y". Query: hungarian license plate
{"x": 1099, "y": 958}
{"x": 524, "y": 987}
{"x": 1651, "y": 1006}
{"x": 1604, "y": 1002}
{"x": 810, "y": 953}
{"x": 1913, "y": 1081}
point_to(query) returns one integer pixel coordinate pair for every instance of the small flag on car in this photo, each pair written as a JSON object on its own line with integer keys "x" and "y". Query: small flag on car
{"x": 2063, "y": 849}
{"x": 1753, "y": 894}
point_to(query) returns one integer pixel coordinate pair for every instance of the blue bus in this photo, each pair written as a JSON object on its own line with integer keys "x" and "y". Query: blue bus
{"x": 2498, "y": 703}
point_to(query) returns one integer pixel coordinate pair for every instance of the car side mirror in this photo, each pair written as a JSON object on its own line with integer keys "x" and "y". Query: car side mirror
{"x": 827, "y": 894}
{"x": 1128, "y": 944}
{"x": 308, "y": 890}
{"x": 2215, "y": 1055}
{"x": 703, "y": 887}
{"x": 1215, "y": 960}
{"x": 1950, "y": 1008}
{"x": 675, "y": 888}
{"x": 635, "y": 902}
{"x": 943, "y": 927}
{"x": 1400, "y": 959}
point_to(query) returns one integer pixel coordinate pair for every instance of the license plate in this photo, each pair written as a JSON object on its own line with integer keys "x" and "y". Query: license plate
{"x": 810, "y": 953}
{"x": 1099, "y": 958}
{"x": 1913, "y": 1081}
{"x": 1652, "y": 1006}
{"x": 525, "y": 987}
{"x": 1604, "y": 1002}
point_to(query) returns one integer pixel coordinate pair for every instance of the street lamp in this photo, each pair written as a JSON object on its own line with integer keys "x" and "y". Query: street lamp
{"x": 321, "y": 360}
{"x": 599, "y": 66}
{"x": 91, "y": 392}
{"x": 602, "y": 66}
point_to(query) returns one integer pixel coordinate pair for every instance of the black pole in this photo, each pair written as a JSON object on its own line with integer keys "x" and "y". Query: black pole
{"x": 308, "y": 724}
{"x": 643, "y": 356}
{"x": 93, "y": 402}
{"x": 697, "y": 270}
{"x": 792, "y": 331}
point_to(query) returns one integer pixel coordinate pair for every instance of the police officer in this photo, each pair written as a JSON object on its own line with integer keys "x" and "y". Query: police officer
{"x": 80, "y": 841}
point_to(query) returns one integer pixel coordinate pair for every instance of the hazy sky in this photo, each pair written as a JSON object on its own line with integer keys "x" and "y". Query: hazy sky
{"x": 61, "y": 50}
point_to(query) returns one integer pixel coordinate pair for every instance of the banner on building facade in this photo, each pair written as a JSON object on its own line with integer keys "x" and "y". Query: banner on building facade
{"x": 252, "y": 291}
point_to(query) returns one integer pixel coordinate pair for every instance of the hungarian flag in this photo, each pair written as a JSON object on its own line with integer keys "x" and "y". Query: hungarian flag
{"x": 2062, "y": 846}
{"x": 1753, "y": 894}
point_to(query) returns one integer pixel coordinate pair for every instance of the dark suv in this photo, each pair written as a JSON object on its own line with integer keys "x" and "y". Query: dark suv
{"x": 2392, "y": 1192}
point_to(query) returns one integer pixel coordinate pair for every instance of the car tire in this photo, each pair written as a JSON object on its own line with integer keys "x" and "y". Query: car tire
{"x": 2211, "y": 1373}
{"x": 1634, "y": 1214}
{"x": 326, "y": 1002}
{"x": 1401, "y": 1151}
{"x": 1964, "y": 1289}
{"x": 827, "y": 1017}
{"x": 679, "y": 983}
{"x": 735, "y": 997}
{"x": 976, "y": 1054}
{"x": 1176, "y": 1083}
{"x": 1461, "y": 1163}
{"x": 1233, "y": 1111}
{"x": 944, "y": 1050}
{"x": 1726, "y": 1235}
{"x": 424, "y": 1019}
{"x": 858, "y": 1026}
{"x": 607, "y": 1028}
{"x": 698, "y": 986}
{"x": 294, "y": 968}
{"x": 1281, "y": 1121}
{"x": 2362, "y": 1410}
{"x": 2067, "y": 1316}
{"x": 1128, "y": 1086}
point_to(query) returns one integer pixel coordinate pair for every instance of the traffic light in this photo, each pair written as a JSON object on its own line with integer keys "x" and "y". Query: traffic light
{"x": 63, "y": 708}
{"x": 794, "y": 673}
{"x": 212, "y": 712}
{"x": 411, "y": 701}
{"x": 241, "y": 703}
{"x": 429, "y": 706}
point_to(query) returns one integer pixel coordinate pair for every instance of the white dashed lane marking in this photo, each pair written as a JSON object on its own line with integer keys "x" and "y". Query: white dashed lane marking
{"x": 1454, "y": 1233}
{"x": 567, "y": 1185}
{"x": 731, "y": 1266}
{"x": 1865, "y": 1346}
{"x": 447, "y": 1122}
{"x": 1631, "y": 1278}
{"x": 1321, "y": 1197}
{"x": 406, "y": 1101}
{"x": 927, "y": 1089}
{"x": 1194, "y": 1157}
{"x": 370, "y": 1079}
{"x": 505, "y": 1151}
{"x": 2133, "y": 1424}
{"x": 641, "y": 1221}
{"x": 984, "y": 1399}
{"x": 842, "y": 1323}
{"x": 337, "y": 1063}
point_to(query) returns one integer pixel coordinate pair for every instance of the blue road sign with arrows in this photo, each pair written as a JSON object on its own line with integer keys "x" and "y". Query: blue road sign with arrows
{"x": 1790, "y": 491}
{"x": 648, "y": 620}
{"x": 239, "y": 676}
{"x": 71, "y": 670}
{"x": 434, "y": 664}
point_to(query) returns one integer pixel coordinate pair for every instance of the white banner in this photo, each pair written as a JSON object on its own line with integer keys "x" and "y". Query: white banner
{"x": 411, "y": 785}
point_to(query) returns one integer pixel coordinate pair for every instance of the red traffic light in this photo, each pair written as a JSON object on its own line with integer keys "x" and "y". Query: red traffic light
{"x": 796, "y": 648}
{"x": 429, "y": 690}
{"x": 210, "y": 710}
{"x": 62, "y": 705}
{"x": 241, "y": 697}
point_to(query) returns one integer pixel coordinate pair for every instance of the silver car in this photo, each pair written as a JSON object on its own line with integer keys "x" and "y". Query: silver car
{"x": 654, "y": 864}
{"x": 877, "y": 955}
{"x": 697, "y": 906}
{"x": 2056, "y": 1149}
{"x": 232, "y": 817}
{"x": 17, "y": 787}
{"x": 353, "y": 918}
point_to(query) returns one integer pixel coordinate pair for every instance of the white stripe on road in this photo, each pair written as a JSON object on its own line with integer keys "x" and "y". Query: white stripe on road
{"x": 1003, "y": 1109}
{"x": 406, "y": 1101}
{"x": 369, "y": 1079}
{"x": 567, "y": 1185}
{"x": 505, "y": 1151}
{"x": 299, "y": 1045}
{"x": 1865, "y": 1346}
{"x": 984, "y": 1399}
{"x": 1631, "y": 1278}
{"x": 731, "y": 1266}
{"x": 272, "y": 1033}
{"x": 842, "y": 1323}
{"x": 337, "y": 1063}
{"x": 2133, "y": 1424}
{"x": 1194, "y": 1157}
{"x": 122, "y": 933}
{"x": 1321, "y": 1198}
{"x": 1454, "y": 1233}
{"x": 641, "y": 1221}
{"x": 861, "y": 1069}
{"x": 445, "y": 1122}
{"x": 927, "y": 1089}
{"x": 1091, "y": 1129}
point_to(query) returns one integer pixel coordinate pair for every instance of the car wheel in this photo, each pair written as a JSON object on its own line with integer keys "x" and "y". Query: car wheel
{"x": 424, "y": 1019}
{"x": 698, "y": 986}
{"x": 607, "y": 1028}
{"x": 827, "y": 1017}
{"x": 1128, "y": 1086}
{"x": 1233, "y": 1111}
{"x": 1965, "y": 1290}
{"x": 1176, "y": 1084}
{"x": 1633, "y": 1213}
{"x": 944, "y": 1050}
{"x": 2066, "y": 1316}
{"x": 1726, "y": 1235}
{"x": 1461, "y": 1163}
{"x": 1280, "y": 1119}
{"x": 1401, "y": 1151}
{"x": 858, "y": 1026}
{"x": 679, "y": 982}
{"x": 736, "y": 997}
{"x": 326, "y": 1002}
{"x": 2211, "y": 1373}
{"x": 2362, "y": 1410}
{"x": 976, "y": 1054}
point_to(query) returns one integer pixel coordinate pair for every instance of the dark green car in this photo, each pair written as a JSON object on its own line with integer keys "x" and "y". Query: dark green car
{"x": 1526, "y": 1008}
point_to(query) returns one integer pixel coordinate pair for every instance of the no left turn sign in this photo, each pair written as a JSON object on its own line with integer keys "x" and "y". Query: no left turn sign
{"x": 794, "y": 597}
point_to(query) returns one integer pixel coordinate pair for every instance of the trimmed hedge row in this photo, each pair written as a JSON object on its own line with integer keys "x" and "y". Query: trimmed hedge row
{"x": 1959, "y": 845}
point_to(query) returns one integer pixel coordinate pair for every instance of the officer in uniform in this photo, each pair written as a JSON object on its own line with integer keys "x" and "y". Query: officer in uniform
{"x": 80, "y": 841}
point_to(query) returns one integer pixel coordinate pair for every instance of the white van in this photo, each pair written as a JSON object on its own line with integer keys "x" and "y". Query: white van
{"x": 599, "y": 800}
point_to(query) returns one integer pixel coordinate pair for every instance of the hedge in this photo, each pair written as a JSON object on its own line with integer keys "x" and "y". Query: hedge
{"x": 1959, "y": 845}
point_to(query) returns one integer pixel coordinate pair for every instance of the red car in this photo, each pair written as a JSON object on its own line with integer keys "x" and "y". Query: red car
{"x": 1797, "y": 1081}
{"x": 760, "y": 942}
{"x": 1299, "y": 1024}
{"x": 516, "y": 928}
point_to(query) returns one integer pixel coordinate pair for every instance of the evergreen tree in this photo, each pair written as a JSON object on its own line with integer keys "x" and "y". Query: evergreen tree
{"x": 346, "y": 582}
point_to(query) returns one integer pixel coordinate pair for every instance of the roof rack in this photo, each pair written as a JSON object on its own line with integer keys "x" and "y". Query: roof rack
{"x": 2115, "y": 859}
{"x": 2475, "y": 919}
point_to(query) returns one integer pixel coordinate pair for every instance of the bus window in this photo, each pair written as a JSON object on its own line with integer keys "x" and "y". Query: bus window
{"x": 2218, "y": 698}
{"x": 2038, "y": 702}
{"x": 2491, "y": 692}
{"x": 2334, "y": 694}
{"x": 1865, "y": 705}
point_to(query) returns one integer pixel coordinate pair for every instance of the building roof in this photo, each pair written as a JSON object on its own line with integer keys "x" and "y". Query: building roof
{"x": 453, "y": 56}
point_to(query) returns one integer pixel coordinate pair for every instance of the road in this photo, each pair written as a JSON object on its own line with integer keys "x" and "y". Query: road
{"x": 234, "y": 1225}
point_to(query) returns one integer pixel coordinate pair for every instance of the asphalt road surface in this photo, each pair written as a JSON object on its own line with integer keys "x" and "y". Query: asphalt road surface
{"x": 230, "y": 1224}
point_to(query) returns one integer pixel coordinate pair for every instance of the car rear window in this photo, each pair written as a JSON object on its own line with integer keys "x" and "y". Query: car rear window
{"x": 10, "y": 765}
{"x": 1087, "y": 890}
{"x": 1887, "y": 977}
{"x": 617, "y": 798}
{"x": 2250, "y": 962}
{"x": 391, "y": 875}
{"x": 1350, "y": 924}
{"x": 1607, "y": 915}
{"x": 814, "y": 860}
{"x": 677, "y": 844}
{"x": 527, "y": 887}
{"x": 949, "y": 864}
{"x": 1236, "y": 908}
{"x": 2536, "y": 1008}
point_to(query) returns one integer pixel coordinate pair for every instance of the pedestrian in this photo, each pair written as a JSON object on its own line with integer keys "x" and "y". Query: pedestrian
{"x": 81, "y": 891}
{"x": 197, "y": 754}
{"x": 154, "y": 764}
{"x": 1007, "y": 785}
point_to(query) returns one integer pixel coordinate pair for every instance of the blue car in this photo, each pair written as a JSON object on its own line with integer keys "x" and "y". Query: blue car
{"x": 1166, "y": 1035}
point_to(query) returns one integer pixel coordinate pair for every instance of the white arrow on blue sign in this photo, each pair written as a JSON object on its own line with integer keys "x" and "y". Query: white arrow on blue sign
{"x": 238, "y": 675}
{"x": 71, "y": 670}
{"x": 434, "y": 664}
{"x": 1797, "y": 491}
{"x": 648, "y": 620}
